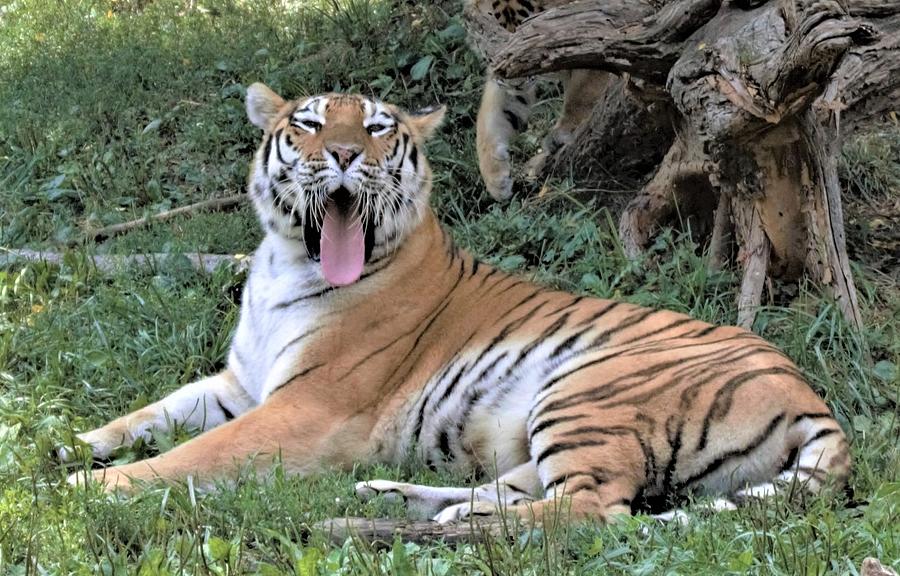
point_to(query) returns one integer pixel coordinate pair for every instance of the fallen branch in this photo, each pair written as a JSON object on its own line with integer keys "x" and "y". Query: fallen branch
{"x": 622, "y": 36}
{"x": 721, "y": 234}
{"x": 212, "y": 205}
{"x": 383, "y": 531}
{"x": 109, "y": 262}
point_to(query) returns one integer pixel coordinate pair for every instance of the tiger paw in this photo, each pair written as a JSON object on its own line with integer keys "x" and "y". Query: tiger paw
{"x": 390, "y": 491}
{"x": 100, "y": 443}
{"x": 534, "y": 168}
{"x": 495, "y": 170}
{"x": 464, "y": 511}
{"x": 111, "y": 479}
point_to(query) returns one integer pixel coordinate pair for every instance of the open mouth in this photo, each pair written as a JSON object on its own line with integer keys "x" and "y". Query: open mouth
{"x": 344, "y": 242}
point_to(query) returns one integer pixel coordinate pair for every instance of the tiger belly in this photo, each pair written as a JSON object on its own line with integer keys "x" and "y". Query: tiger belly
{"x": 473, "y": 412}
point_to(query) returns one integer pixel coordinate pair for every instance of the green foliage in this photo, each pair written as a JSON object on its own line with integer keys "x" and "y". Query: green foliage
{"x": 115, "y": 108}
{"x": 869, "y": 163}
{"x": 110, "y": 112}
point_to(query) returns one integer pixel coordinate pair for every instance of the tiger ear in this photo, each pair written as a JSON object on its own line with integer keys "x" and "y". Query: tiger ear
{"x": 262, "y": 105}
{"x": 426, "y": 122}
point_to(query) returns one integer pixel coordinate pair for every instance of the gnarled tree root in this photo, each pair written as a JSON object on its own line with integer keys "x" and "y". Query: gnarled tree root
{"x": 760, "y": 94}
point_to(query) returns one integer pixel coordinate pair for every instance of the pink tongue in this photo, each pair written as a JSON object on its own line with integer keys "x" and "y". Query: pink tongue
{"x": 342, "y": 247}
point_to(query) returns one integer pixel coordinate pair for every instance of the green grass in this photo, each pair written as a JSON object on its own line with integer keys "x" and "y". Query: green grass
{"x": 116, "y": 108}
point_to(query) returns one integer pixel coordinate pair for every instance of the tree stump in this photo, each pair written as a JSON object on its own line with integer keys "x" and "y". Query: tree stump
{"x": 760, "y": 94}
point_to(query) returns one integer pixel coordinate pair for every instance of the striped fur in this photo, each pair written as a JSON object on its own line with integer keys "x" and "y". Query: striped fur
{"x": 606, "y": 403}
{"x": 506, "y": 104}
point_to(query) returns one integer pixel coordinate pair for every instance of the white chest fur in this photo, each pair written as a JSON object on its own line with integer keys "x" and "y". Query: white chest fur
{"x": 280, "y": 311}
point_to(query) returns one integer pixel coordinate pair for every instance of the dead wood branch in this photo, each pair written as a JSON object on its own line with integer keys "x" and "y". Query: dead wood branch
{"x": 109, "y": 263}
{"x": 382, "y": 531}
{"x": 721, "y": 234}
{"x": 212, "y": 205}
{"x": 617, "y": 36}
{"x": 754, "y": 259}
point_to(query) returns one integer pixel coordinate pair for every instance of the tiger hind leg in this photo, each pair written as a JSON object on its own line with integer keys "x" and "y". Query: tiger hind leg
{"x": 503, "y": 112}
{"x": 582, "y": 90}
{"x": 584, "y": 474}
{"x": 516, "y": 486}
{"x": 604, "y": 505}
{"x": 587, "y": 478}
{"x": 816, "y": 452}
{"x": 785, "y": 483}
{"x": 819, "y": 453}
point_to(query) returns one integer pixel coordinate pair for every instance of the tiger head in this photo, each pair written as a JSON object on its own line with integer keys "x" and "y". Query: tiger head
{"x": 341, "y": 174}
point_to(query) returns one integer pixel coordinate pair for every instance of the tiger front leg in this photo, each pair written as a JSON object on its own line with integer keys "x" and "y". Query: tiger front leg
{"x": 504, "y": 111}
{"x": 200, "y": 405}
{"x": 303, "y": 437}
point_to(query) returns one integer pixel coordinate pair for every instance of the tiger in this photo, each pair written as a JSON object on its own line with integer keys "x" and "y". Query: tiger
{"x": 367, "y": 335}
{"x": 506, "y": 104}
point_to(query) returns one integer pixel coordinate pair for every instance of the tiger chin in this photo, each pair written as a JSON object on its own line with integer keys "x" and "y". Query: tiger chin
{"x": 365, "y": 333}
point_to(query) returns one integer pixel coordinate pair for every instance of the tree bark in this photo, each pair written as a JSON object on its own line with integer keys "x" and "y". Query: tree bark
{"x": 760, "y": 94}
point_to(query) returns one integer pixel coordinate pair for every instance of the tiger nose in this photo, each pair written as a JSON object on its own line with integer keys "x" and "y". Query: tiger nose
{"x": 344, "y": 154}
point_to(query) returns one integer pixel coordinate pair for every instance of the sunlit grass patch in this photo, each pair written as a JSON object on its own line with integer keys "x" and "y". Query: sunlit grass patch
{"x": 113, "y": 109}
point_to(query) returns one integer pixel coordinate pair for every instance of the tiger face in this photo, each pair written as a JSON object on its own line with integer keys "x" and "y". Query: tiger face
{"x": 340, "y": 174}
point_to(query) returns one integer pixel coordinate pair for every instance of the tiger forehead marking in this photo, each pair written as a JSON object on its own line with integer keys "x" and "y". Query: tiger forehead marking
{"x": 326, "y": 121}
